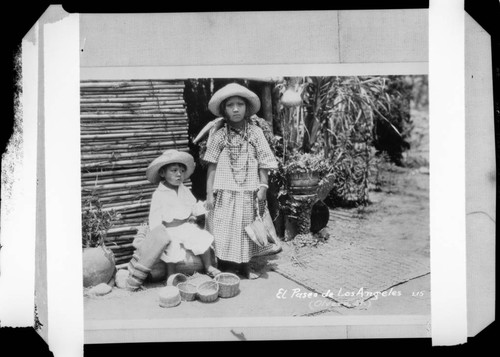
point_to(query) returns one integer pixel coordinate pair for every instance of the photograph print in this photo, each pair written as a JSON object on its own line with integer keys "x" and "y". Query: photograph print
{"x": 273, "y": 197}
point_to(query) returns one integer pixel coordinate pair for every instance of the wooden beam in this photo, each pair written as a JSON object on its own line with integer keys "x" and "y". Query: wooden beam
{"x": 267, "y": 104}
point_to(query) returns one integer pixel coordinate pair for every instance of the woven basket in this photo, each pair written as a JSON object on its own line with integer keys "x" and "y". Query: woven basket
{"x": 187, "y": 291}
{"x": 175, "y": 279}
{"x": 208, "y": 291}
{"x": 197, "y": 279}
{"x": 229, "y": 284}
{"x": 169, "y": 296}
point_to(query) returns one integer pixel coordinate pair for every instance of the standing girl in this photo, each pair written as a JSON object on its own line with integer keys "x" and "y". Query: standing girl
{"x": 239, "y": 159}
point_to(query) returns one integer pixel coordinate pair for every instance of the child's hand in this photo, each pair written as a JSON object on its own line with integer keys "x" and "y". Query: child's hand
{"x": 209, "y": 204}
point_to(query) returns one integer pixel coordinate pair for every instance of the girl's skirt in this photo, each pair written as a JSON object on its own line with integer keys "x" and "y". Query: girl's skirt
{"x": 232, "y": 212}
{"x": 186, "y": 236}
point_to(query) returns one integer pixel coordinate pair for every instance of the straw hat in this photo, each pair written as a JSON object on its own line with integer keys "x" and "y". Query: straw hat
{"x": 169, "y": 157}
{"x": 231, "y": 90}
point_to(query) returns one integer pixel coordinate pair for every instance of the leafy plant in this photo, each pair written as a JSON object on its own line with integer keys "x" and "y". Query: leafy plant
{"x": 299, "y": 162}
{"x": 345, "y": 117}
{"x": 281, "y": 181}
{"x": 335, "y": 124}
{"x": 351, "y": 176}
{"x": 386, "y": 139}
{"x": 96, "y": 221}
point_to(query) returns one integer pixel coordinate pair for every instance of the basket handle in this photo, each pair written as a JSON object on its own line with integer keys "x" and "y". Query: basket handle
{"x": 257, "y": 211}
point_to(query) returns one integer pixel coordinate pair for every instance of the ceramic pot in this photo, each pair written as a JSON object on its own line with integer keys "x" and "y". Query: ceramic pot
{"x": 98, "y": 266}
{"x": 190, "y": 265}
{"x": 158, "y": 272}
{"x": 320, "y": 215}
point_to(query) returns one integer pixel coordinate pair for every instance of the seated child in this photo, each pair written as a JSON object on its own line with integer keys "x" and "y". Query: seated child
{"x": 174, "y": 206}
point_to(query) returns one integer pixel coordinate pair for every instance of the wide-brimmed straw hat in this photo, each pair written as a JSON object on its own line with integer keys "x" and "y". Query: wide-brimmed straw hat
{"x": 232, "y": 90}
{"x": 170, "y": 156}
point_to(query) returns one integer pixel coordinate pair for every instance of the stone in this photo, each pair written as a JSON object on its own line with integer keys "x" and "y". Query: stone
{"x": 121, "y": 278}
{"x": 100, "y": 290}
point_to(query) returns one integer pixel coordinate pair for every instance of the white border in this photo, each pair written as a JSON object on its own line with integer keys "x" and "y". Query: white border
{"x": 62, "y": 177}
{"x": 256, "y": 71}
{"x": 18, "y": 219}
{"x": 339, "y": 327}
{"x": 447, "y": 168}
{"x": 142, "y": 330}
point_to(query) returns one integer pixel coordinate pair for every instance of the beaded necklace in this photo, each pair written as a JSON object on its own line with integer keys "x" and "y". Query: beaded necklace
{"x": 237, "y": 145}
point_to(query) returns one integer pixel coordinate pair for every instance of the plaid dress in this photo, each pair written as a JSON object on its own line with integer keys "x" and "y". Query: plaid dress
{"x": 238, "y": 155}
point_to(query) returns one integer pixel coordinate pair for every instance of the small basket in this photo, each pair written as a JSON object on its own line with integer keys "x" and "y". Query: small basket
{"x": 198, "y": 278}
{"x": 169, "y": 296}
{"x": 187, "y": 291}
{"x": 175, "y": 279}
{"x": 229, "y": 284}
{"x": 208, "y": 291}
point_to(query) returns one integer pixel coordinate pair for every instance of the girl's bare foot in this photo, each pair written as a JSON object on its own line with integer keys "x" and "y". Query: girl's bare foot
{"x": 247, "y": 272}
{"x": 212, "y": 271}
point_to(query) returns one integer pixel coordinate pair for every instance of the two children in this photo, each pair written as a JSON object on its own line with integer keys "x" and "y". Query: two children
{"x": 239, "y": 159}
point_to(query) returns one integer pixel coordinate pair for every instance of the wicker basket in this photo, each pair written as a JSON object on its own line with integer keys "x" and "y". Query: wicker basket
{"x": 187, "y": 291}
{"x": 175, "y": 279}
{"x": 229, "y": 284}
{"x": 169, "y": 296}
{"x": 208, "y": 291}
{"x": 198, "y": 278}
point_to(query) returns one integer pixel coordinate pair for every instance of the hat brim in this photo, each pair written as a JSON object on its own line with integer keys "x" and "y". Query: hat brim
{"x": 234, "y": 90}
{"x": 169, "y": 157}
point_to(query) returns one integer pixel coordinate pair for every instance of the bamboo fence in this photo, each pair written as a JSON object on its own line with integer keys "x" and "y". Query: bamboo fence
{"x": 124, "y": 126}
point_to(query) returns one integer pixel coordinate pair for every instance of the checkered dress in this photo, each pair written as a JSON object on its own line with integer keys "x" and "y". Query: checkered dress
{"x": 235, "y": 192}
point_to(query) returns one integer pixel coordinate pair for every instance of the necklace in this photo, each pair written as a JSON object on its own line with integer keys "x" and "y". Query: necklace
{"x": 237, "y": 145}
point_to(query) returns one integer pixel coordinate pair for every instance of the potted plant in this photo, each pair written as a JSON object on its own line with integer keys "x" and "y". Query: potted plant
{"x": 98, "y": 260}
{"x": 298, "y": 179}
{"x": 304, "y": 171}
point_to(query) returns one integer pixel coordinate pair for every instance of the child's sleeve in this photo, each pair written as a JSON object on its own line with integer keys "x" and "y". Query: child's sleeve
{"x": 265, "y": 156}
{"x": 199, "y": 208}
{"x": 155, "y": 212}
{"x": 215, "y": 146}
{"x": 158, "y": 212}
{"x": 189, "y": 198}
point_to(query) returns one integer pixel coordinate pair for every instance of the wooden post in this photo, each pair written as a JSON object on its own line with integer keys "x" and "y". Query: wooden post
{"x": 267, "y": 104}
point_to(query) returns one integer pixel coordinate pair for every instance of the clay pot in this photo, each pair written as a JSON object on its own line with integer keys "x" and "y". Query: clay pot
{"x": 98, "y": 266}
{"x": 158, "y": 272}
{"x": 320, "y": 215}
{"x": 190, "y": 265}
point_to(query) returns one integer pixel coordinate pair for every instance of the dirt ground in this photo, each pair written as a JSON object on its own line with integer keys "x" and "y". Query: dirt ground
{"x": 396, "y": 221}
{"x": 397, "y": 218}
